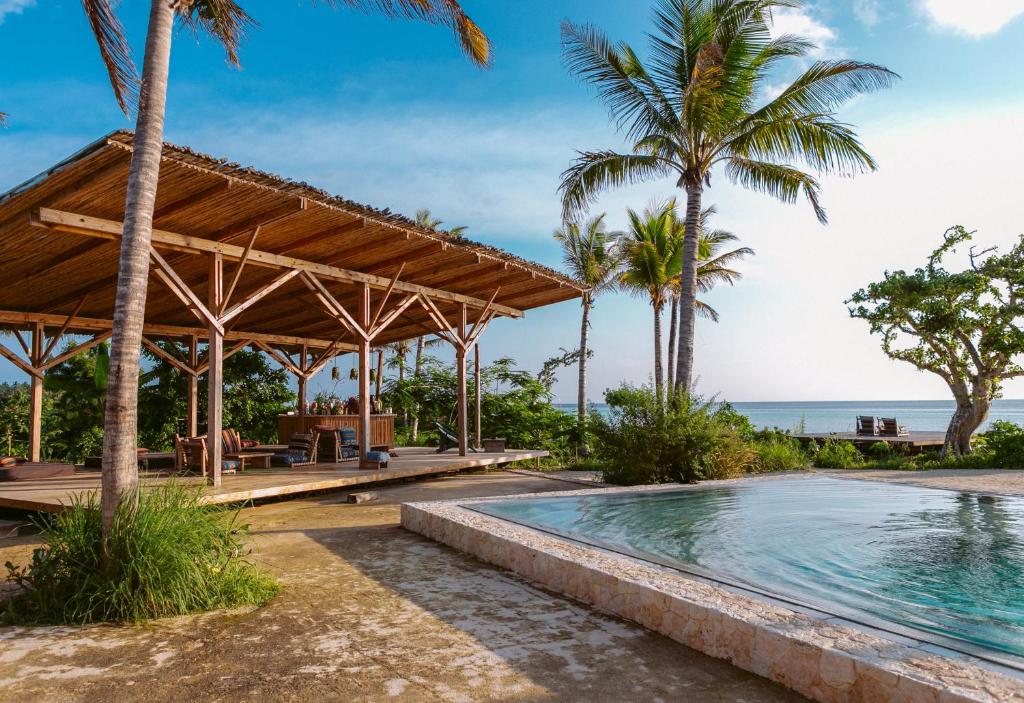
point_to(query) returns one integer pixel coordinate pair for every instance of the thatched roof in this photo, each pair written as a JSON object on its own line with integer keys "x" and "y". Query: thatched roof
{"x": 215, "y": 200}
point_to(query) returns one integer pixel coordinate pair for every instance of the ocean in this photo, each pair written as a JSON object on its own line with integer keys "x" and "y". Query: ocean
{"x": 841, "y": 415}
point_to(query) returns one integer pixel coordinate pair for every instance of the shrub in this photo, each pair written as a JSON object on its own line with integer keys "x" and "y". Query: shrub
{"x": 686, "y": 440}
{"x": 167, "y": 554}
{"x": 1003, "y": 446}
{"x": 838, "y": 454}
{"x": 881, "y": 450}
{"x": 777, "y": 451}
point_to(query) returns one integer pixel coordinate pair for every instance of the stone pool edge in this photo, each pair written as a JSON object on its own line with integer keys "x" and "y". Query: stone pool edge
{"x": 815, "y": 656}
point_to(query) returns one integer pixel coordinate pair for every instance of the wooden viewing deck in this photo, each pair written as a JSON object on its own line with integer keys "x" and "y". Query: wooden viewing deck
{"x": 51, "y": 495}
{"x": 914, "y": 440}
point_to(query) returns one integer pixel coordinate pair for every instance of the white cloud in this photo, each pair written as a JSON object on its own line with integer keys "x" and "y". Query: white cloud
{"x": 975, "y": 19}
{"x": 13, "y": 7}
{"x": 799, "y": 21}
{"x": 869, "y": 12}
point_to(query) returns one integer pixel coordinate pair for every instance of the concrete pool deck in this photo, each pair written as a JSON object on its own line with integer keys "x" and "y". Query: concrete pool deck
{"x": 371, "y": 612}
{"x": 826, "y": 658}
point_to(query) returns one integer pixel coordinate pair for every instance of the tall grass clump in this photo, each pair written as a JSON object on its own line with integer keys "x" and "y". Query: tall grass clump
{"x": 777, "y": 451}
{"x": 838, "y": 454}
{"x": 167, "y": 554}
{"x": 684, "y": 439}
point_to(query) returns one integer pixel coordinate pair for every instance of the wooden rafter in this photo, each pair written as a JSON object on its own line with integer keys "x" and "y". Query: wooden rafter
{"x": 392, "y": 315}
{"x": 257, "y": 295}
{"x": 332, "y": 305}
{"x": 387, "y": 294}
{"x": 280, "y": 358}
{"x": 184, "y": 293}
{"x": 89, "y": 324}
{"x": 240, "y": 268}
{"x": 96, "y": 227}
{"x": 63, "y": 328}
{"x": 19, "y": 362}
{"x": 168, "y": 357}
{"x": 75, "y": 351}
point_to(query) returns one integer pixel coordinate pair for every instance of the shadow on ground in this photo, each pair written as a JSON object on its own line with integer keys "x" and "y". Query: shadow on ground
{"x": 372, "y": 612}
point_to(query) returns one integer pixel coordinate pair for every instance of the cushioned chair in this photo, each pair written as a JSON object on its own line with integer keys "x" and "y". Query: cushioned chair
{"x": 336, "y": 444}
{"x": 302, "y": 451}
{"x": 190, "y": 455}
{"x": 232, "y": 442}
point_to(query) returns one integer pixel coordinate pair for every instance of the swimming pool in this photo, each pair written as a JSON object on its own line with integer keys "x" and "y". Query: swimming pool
{"x": 932, "y": 561}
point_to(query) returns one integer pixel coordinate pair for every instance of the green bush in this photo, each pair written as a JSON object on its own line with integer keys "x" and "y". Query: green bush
{"x": 777, "y": 451}
{"x": 687, "y": 440}
{"x": 167, "y": 554}
{"x": 1003, "y": 446}
{"x": 838, "y": 454}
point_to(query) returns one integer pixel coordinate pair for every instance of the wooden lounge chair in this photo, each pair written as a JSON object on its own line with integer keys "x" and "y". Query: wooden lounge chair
{"x": 336, "y": 444}
{"x": 302, "y": 451}
{"x": 866, "y": 426}
{"x": 891, "y": 428}
{"x": 191, "y": 455}
{"x": 449, "y": 439}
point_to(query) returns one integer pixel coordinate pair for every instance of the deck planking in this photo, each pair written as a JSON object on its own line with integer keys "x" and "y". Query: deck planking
{"x": 52, "y": 495}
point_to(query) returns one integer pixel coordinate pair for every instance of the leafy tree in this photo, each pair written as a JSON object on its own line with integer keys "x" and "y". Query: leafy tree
{"x": 14, "y": 418}
{"x": 79, "y": 386}
{"x": 590, "y": 255}
{"x": 963, "y": 326}
{"x": 698, "y": 102}
{"x": 226, "y": 21}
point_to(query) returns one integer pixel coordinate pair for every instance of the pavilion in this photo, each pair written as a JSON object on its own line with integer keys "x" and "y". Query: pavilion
{"x": 242, "y": 258}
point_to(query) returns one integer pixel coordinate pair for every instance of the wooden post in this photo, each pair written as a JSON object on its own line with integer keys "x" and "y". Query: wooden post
{"x": 380, "y": 371}
{"x": 215, "y": 375}
{"x": 476, "y": 377}
{"x": 364, "y": 376}
{"x": 35, "y": 433}
{"x": 193, "y": 387}
{"x": 300, "y": 401}
{"x": 460, "y": 394}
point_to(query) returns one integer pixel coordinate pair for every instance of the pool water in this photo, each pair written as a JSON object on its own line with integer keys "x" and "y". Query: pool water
{"x": 939, "y": 562}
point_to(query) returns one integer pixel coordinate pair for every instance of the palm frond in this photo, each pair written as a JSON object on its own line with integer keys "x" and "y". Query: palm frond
{"x": 634, "y": 100}
{"x": 818, "y": 140}
{"x": 225, "y": 20}
{"x": 470, "y": 38}
{"x": 115, "y": 51}
{"x": 706, "y": 311}
{"x": 824, "y": 86}
{"x": 594, "y": 171}
{"x": 3, "y": 119}
{"x": 425, "y": 219}
{"x": 785, "y": 183}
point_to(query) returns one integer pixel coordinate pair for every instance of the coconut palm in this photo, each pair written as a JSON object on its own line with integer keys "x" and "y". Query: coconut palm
{"x": 713, "y": 268}
{"x": 699, "y": 102}
{"x": 651, "y": 257}
{"x": 226, "y": 21}
{"x": 589, "y": 254}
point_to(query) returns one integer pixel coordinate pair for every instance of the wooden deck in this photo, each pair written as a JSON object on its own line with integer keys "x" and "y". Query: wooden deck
{"x": 915, "y": 440}
{"x": 51, "y": 495}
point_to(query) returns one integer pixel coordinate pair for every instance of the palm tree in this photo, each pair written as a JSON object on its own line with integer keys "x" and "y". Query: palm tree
{"x": 589, "y": 254}
{"x": 651, "y": 255}
{"x": 699, "y": 103}
{"x": 712, "y": 269}
{"x": 226, "y": 21}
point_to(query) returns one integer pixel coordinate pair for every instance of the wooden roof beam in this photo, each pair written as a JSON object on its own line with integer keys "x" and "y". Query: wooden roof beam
{"x": 16, "y": 319}
{"x": 180, "y": 204}
{"x": 96, "y": 227}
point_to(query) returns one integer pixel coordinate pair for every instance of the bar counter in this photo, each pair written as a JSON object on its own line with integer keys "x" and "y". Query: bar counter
{"x": 382, "y": 427}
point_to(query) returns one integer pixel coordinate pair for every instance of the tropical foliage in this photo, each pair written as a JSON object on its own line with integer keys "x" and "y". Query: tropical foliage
{"x": 698, "y": 103}
{"x": 963, "y": 326}
{"x": 166, "y": 554}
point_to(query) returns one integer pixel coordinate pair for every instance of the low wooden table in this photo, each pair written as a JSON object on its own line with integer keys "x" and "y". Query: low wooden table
{"x": 255, "y": 460}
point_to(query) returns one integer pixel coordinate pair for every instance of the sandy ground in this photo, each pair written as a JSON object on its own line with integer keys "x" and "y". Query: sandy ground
{"x": 371, "y": 612}
{"x": 978, "y": 480}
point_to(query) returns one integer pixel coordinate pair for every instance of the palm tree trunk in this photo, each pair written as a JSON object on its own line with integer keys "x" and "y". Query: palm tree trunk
{"x": 421, "y": 343}
{"x": 688, "y": 290}
{"x": 120, "y": 426}
{"x": 581, "y": 390}
{"x": 673, "y": 333}
{"x": 658, "y": 366}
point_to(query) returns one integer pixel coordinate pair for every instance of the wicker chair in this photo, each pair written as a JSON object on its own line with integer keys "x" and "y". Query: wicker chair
{"x": 191, "y": 455}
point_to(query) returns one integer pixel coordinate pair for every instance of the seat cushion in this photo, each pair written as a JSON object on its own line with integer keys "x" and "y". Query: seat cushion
{"x": 382, "y": 457}
{"x": 289, "y": 459}
{"x": 228, "y": 464}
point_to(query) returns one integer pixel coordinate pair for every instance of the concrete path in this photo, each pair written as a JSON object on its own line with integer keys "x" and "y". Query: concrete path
{"x": 371, "y": 612}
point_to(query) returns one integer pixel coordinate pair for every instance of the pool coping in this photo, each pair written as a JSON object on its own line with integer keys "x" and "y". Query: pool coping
{"x": 827, "y": 658}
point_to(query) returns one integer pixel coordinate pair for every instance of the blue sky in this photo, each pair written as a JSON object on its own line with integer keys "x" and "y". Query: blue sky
{"x": 389, "y": 113}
